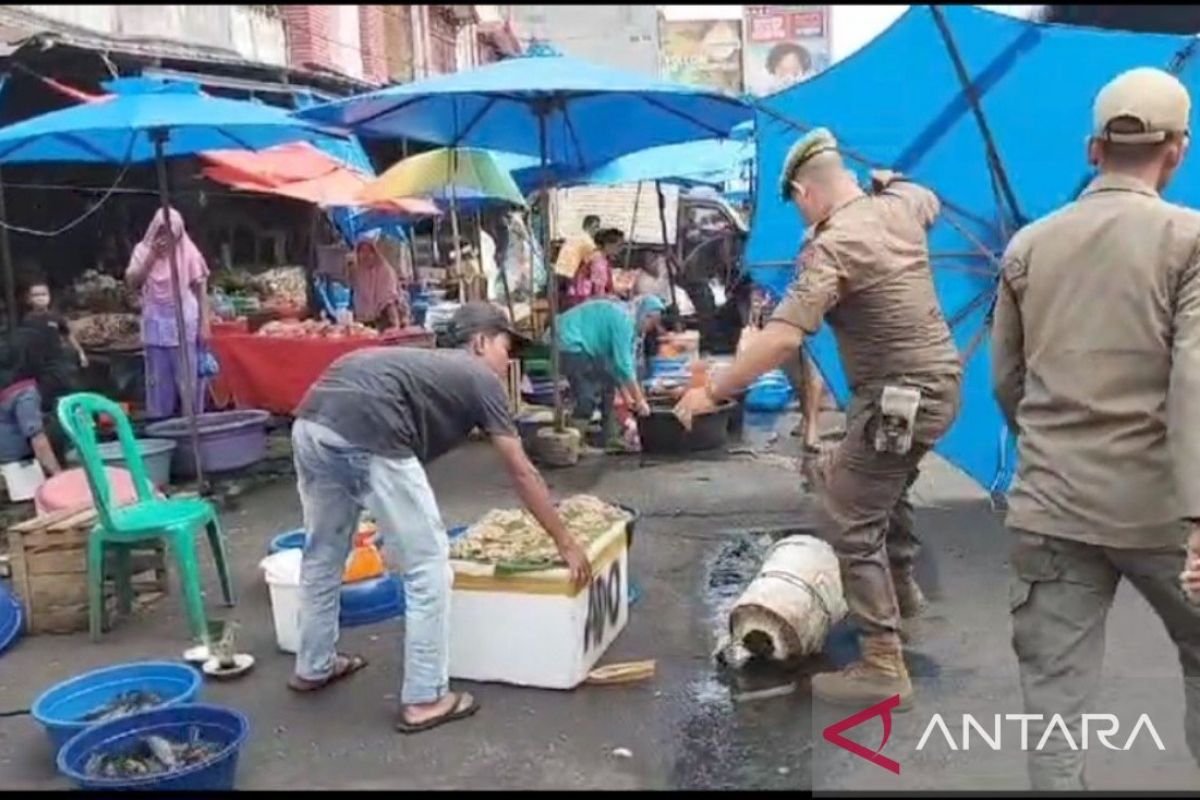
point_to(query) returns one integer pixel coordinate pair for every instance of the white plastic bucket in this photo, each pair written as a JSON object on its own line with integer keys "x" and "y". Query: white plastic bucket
{"x": 788, "y": 609}
{"x": 282, "y": 573}
{"x": 22, "y": 478}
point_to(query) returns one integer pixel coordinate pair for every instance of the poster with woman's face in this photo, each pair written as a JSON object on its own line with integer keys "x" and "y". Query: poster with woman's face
{"x": 783, "y": 46}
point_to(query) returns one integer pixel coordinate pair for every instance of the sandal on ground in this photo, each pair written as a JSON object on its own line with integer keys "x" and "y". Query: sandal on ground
{"x": 343, "y": 667}
{"x": 464, "y": 706}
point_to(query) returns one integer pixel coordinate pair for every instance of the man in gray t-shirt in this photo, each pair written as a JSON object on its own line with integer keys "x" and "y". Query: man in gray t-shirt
{"x": 362, "y": 434}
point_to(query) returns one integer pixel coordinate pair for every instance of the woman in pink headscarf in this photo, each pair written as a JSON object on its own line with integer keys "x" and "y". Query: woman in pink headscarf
{"x": 378, "y": 300}
{"x": 150, "y": 271}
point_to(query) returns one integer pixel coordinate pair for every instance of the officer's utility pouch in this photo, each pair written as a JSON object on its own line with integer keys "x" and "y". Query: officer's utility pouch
{"x": 897, "y": 415}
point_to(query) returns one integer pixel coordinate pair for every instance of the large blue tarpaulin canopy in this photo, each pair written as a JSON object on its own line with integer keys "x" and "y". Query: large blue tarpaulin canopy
{"x": 992, "y": 113}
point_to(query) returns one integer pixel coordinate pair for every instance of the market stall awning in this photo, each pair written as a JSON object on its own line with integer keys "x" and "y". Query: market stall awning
{"x": 301, "y": 171}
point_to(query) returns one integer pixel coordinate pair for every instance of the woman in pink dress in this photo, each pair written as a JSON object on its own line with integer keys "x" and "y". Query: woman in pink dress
{"x": 595, "y": 277}
{"x": 150, "y": 272}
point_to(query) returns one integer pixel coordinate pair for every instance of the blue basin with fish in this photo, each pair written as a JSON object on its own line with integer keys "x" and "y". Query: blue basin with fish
{"x": 61, "y": 708}
{"x": 224, "y": 728}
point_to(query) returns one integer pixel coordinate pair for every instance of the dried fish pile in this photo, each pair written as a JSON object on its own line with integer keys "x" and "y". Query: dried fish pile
{"x": 108, "y": 330}
{"x": 152, "y": 755}
{"x": 123, "y": 705}
{"x": 513, "y": 536}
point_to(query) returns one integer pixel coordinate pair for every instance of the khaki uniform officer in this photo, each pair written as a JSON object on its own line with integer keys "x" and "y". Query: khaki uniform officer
{"x": 1096, "y": 360}
{"x": 864, "y": 268}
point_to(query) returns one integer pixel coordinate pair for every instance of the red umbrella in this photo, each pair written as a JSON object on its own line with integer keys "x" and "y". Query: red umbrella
{"x": 301, "y": 171}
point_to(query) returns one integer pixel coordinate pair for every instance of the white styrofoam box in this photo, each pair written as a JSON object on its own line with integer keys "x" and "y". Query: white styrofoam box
{"x": 534, "y": 629}
{"x": 22, "y": 478}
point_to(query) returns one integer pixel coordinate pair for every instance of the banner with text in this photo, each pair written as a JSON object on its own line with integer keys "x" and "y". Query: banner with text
{"x": 703, "y": 52}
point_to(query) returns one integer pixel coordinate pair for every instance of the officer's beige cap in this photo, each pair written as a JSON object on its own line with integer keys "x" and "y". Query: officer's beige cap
{"x": 1148, "y": 99}
{"x": 815, "y": 142}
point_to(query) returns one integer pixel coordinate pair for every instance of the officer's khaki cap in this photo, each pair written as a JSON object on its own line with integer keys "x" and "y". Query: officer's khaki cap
{"x": 815, "y": 142}
{"x": 1155, "y": 100}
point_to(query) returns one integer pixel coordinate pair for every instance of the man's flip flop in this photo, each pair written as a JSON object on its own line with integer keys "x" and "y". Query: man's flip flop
{"x": 464, "y": 707}
{"x": 343, "y": 667}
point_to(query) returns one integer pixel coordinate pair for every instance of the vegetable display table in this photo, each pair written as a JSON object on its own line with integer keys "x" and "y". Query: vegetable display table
{"x": 274, "y": 372}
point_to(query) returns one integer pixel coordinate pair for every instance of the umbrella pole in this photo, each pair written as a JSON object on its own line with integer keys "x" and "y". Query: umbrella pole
{"x": 188, "y": 390}
{"x": 637, "y": 198}
{"x": 462, "y": 284}
{"x": 10, "y": 279}
{"x": 500, "y": 267}
{"x": 551, "y": 279}
{"x": 662, "y": 220}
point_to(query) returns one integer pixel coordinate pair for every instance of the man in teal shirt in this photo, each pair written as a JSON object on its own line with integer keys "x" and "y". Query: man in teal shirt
{"x": 598, "y": 340}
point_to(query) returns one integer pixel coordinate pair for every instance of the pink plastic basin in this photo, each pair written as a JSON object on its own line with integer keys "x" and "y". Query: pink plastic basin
{"x": 69, "y": 489}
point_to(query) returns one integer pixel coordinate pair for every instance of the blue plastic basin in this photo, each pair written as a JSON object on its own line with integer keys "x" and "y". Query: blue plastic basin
{"x": 771, "y": 392}
{"x": 370, "y": 601}
{"x": 292, "y": 540}
{"x": 60, "y": 708}
{"x": 12, "y": 618}
{"x": 377, "y": 599}
{"x": 223, "y": 726}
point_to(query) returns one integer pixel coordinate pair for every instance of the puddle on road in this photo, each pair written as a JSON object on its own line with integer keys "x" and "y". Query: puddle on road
{"x": 728, "y": 741}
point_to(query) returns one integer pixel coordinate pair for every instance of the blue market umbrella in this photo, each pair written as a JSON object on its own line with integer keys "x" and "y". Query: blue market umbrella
{"x": 989, "y": 111}
{"x": 149, "y": 120}
{"x": 571, "y": 114}
{"x": 560, "y": 109}
{"x": 704, "y": 162}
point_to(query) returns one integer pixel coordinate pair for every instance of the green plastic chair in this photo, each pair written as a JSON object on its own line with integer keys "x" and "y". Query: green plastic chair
{"x": 173, "y": 521}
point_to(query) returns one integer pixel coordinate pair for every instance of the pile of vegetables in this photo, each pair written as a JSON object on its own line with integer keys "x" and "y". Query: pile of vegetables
{"x": 99, "y": 292}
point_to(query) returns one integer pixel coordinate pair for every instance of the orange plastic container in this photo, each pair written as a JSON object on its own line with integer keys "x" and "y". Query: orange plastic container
{"x": 365, "y": 561}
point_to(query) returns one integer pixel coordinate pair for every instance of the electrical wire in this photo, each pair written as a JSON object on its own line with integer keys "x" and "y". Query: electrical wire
{"x": 108, "y": 194}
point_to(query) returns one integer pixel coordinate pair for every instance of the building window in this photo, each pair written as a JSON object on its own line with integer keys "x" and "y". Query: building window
{"x": 443, "y": 40}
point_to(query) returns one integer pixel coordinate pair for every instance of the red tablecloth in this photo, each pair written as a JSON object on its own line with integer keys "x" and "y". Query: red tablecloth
{"x": 273, "y": 373}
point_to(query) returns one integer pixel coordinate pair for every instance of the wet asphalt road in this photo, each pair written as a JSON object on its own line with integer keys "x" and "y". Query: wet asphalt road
{"x": 691, "y": 726}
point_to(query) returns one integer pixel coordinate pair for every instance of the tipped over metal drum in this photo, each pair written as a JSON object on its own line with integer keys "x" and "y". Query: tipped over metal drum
{"x": 793, "y": 602}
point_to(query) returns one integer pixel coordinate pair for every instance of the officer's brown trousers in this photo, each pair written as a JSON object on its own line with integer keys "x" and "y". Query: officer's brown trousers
{"x": 1060, "y": 595}
{"x": 870, "y": 522}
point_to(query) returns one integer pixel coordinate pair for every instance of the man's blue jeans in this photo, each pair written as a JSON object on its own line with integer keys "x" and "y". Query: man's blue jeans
{"x": 336, "y": 481}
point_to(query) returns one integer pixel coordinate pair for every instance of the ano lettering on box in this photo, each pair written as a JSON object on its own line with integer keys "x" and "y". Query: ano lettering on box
{"x": 604, "y": 606}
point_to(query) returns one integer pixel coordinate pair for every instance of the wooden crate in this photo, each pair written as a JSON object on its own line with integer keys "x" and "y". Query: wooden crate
{"x": 48, "y": 561}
